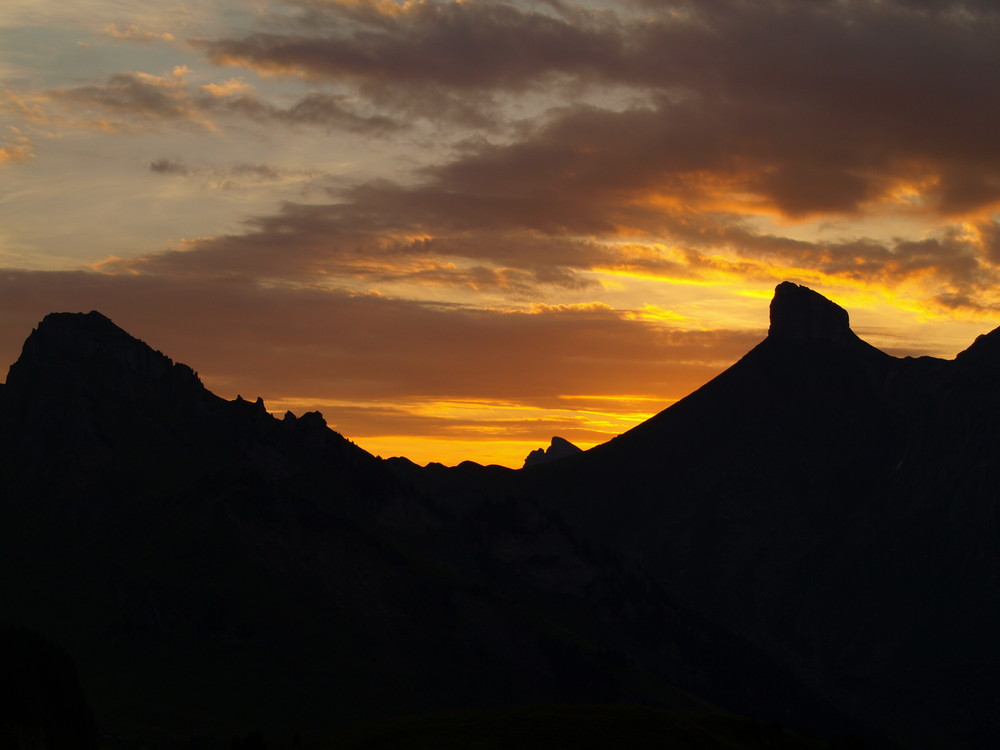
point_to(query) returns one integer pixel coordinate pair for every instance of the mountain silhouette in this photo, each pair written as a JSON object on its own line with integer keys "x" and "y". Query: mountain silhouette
{"x": 809, "y": 538}
{"x": 835, "y": 506}
{"x": 215, "y": 572}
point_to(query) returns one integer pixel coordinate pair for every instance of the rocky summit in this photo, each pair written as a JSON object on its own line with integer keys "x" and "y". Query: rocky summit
{"x": 558, "y": 448}
{"x": 800, "y": 314}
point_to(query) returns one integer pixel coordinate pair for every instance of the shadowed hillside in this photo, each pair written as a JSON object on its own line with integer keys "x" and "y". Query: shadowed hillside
{"x": 835, "y": 506}
{"x": 215, "y": 571}
{"x": 809, "y": 539}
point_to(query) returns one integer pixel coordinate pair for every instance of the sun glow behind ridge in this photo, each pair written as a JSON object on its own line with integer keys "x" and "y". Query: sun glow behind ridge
{"x": 456, "y": 255}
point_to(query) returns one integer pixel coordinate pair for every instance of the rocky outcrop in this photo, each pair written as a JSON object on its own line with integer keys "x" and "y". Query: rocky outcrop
{"x": 73, "y": 350}
{"x": 558, "y": 448}
{"x": 800, "y": 314}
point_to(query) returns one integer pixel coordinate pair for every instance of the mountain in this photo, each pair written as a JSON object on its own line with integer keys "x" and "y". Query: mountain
{"x": 808, "y": 539}
{"x": 558, "y": 448}
{"x": 831, "y": 504}
{"x": 213, "y": 571}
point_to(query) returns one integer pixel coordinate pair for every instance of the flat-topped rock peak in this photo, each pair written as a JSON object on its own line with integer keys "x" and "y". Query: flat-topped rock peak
{"x": 800, "y": 314}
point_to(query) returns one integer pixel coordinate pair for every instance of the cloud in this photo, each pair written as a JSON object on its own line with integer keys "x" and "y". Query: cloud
{"x": 137, "y": 98}
{"x": 961, "y": 261}
{"x": 241, "y": 175}
{"x": 25, "y": 106}
{"x": 797, "y": 108}
{"x": 450, "y": 45}
{"x": 16, "y": 148}
{"x": 589, "y": 191}
{"x": 168, "y": 166}
{"x": 231, "y": 87}
{"x": 327, "y": 110}
{"x": 305, "y": 253}
{"x": 134, "y": 32}
{"x": 136, "y": 101}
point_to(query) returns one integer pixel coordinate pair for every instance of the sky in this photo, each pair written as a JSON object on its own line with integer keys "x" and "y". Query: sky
{"x": 460, "y": 228}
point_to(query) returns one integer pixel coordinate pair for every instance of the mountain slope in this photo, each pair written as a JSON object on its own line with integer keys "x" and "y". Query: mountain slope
{"x": 810, "y": 537}
{"x": 833, "y": 505}
{"x": 212, "y": 569}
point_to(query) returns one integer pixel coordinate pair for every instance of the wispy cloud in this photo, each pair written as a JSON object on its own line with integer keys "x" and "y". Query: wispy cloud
{"x": 16, "y": 148}
{"x": 240, "y": 175}
{"x": 134, "y": 32}
{"x": 133, "y": 101}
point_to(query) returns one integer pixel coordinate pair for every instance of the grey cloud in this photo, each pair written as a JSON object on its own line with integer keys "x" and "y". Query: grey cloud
{"x": 239, "y": 175}
{"x": 168, "y": 166}
{"x": 519, "y": 241}
{"x": 827, "y": 103}
{"x": 301, "y": 244}
{"x": 325, "y": 110}
{"x": 133, "y": 95}
{"x": 140, "y": 99}
{"x": 454, "y": 45}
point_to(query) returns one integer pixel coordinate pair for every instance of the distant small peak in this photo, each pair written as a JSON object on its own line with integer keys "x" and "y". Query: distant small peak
{"x": 558, "y": 448}
{"x": 800, "y": 314}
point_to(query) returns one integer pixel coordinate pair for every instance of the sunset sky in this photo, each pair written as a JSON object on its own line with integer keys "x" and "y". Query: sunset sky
{"x": 460, "y": 228}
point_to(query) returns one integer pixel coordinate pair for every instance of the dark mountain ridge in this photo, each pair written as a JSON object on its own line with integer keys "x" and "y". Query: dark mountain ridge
{"x": 835, "y": 506}
{"x": 810, "y": 537}
{"x": 831, "y": 504}
{"x": 212, "y": 569}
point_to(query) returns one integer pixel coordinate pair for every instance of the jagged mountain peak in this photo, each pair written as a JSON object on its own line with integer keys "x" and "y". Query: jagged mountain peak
{"x": 86, "y": 398}
{"x": 67, "y": 348}
{"x": 800, "y": 314}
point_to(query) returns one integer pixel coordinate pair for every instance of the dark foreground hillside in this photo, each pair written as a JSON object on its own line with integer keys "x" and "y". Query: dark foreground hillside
{"x": 836, "y": 507}
{"x": 216, "y": 573}
{"x": 580, "y": 727}
{"x": 810, "y": 540}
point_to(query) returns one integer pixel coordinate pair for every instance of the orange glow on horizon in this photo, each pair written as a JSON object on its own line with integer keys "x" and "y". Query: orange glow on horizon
{"x": 450, "y": 432}
{"x": 425, "y": 450}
